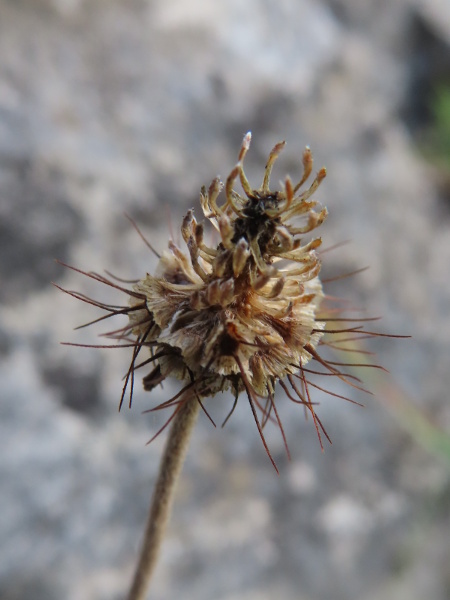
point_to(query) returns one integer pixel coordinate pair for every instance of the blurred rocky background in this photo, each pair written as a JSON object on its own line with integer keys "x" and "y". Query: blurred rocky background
{"x": 129, "y": 107}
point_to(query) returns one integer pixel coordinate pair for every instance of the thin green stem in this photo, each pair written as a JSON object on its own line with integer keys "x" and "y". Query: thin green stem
{"x": 161, "y": 504}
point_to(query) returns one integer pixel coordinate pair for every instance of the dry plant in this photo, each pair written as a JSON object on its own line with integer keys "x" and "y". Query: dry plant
{"x": 244, "y": 316}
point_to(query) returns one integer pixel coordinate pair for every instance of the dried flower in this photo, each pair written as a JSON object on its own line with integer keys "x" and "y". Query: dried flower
{"x": 228, "y": 317}
{"x": 243, "y": 315}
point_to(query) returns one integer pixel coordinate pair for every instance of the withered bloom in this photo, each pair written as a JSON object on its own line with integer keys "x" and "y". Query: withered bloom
{"x": 241, "y": 316}
{"x": 244, "y": 316}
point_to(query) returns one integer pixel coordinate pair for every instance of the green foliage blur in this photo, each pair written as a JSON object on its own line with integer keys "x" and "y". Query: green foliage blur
{"x": 437, "y": 138}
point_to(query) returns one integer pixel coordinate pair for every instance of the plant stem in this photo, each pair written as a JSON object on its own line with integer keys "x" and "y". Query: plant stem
{"x": 161, "y": 504}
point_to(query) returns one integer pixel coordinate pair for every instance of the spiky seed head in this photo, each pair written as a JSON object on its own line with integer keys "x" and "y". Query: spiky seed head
{"x": 238, "y": 315}
{"x": 244, "y": 314}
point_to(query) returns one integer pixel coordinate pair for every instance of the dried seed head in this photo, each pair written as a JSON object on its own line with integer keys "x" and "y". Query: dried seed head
{"x": 242, "y": 315}
{"x": 238, "y": 315}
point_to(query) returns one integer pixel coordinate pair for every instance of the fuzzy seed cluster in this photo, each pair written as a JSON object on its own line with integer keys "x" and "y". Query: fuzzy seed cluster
{"x": 240, "y": 315}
